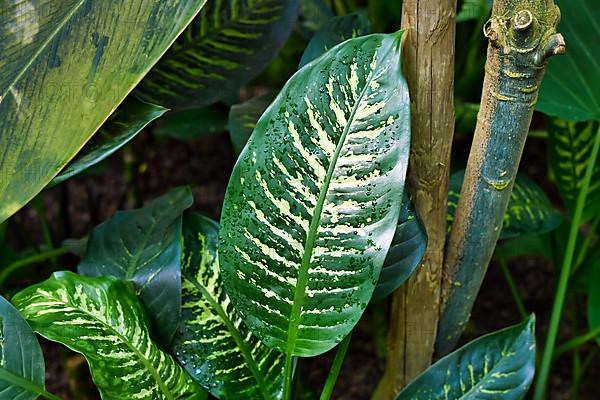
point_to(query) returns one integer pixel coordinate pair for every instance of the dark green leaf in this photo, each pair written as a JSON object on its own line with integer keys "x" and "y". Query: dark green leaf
{"x": 227, "y": 45}
{"x": 497, "y": 366}
{"x": 191, "y": 124}
{"x": 212, "y": 342}
{"x": 66, "y": 65}
{"x": 334, "y": 32}
{"x": 22, "y": 369}
{"x": 405, "y": 253}
{"x": 525, "y": 245}
{"x": 571, "y": 88}
{"x": 313, "y": 14}
{"x": 529, "y": 209}
{"x": 143, "y": 246}
{"x": 473, "y": 9}
{"x": 103, "y": 319}
{"x": 314, "y": 199}
{"x": 243, "y": 118}
{"x": 129, "y": 120}
{"x": 570, "y": 150}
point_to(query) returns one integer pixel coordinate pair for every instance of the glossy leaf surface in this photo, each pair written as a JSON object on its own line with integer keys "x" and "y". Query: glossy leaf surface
{"x": 103, "y": 319}
{"x": 529, "y": 208}
{"x": 228, "y": 44}
{"x": 405, "y": 253}
{"x": 212, "y": 342}
{"x": 497, "y": 366}
{"x": 129, "y": 120}
{"x": 314, "y": 199}
{"x": 66, "y": 65}
{"x": 143, "y": 246}
{"x": 22, "y": 369}
{"x": 571, "y": 87}
{"x": 334, "y": 32}
{"x": 570, "y": 151}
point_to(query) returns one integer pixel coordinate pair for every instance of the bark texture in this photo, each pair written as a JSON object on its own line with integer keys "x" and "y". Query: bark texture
{"x": 428, "y": 58}
{"x": 522, "y": 35}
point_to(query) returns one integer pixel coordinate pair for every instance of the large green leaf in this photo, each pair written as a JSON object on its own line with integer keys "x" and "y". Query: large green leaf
{"x": 570, "y": 150}
{"x": 571, "y": 87}
{"x": 497, "y": 366}
{"x": 129, "y": 120}
{"x": 529, "y": 208}
{"x": 212, "y": 342}
{"x": 407, "y": 249}
{"x": 103, "y": 319}
{"x": 192, "y": 124}
{"x": 314, "y": 199}
{"x": 243, "y": 118}
{"x": 22, "y": 370}
{"x": 334, "y": 32}
{"x": 143, "y": 246}
{"x": 66, "y": 65}
{"x": 227, "y": 45}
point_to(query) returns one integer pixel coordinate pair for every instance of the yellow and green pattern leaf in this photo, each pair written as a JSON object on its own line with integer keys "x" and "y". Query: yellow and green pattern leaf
{"x": 103, "y": 319}
{"x": 227, "y": 45}
{"x": 66, "y": 65}
{"x": 212, "y": 342}
{"x": 314, "y": 199}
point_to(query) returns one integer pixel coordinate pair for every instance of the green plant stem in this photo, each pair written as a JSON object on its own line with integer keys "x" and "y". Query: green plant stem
{"x": 586, "y": 244}
{"x": 288, "y": 371}
{"x": 24, "y": 262}
{"x": 336, "y": 367}
{"x": 576, "y": 342}
{"x": 513, "y": 289}
{"x": 565, "y": 273}
{"x": 41, "y": 212}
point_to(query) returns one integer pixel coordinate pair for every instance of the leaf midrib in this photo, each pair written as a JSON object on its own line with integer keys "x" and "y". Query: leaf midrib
{"x": 20, "y": 381}
{"x": 246, "y": 353}
{"x": 302, "y": 280}
{"x": 42, "y": 48}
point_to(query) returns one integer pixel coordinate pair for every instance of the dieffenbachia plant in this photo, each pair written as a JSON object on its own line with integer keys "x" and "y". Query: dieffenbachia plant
{"x": 522, "y": 36}
{"x": 314, "y": 199}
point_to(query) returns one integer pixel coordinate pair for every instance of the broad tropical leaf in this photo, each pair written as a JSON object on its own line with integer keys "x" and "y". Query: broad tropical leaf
{"x": 570, "y": 150}
{"x": 571, "y": 87}
{"x": 243, "y": 118}
{"x": 529, "y": 208}
{"x": 103, "y": 319}
{"x": 212, "y": 342}
{"x": 334, "y": 32}
{"x": 228, "y": 44}
{"x": 129, "y": 120}
{"x": 66, "y": 65}
{"x": 314, "y": 199}
{"x": 313, "y": 14}
{"x": 143, "y": 246}
{"x": 405, "y": 253}
{"x": 22, "y": 369}
{"x": 497, "y": 366}
{"x": 192, "y": 124}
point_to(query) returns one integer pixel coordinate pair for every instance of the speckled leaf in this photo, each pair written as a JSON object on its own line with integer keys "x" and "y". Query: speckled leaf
{"x": 143, "y": 246}
{"x": 103, "y": 319}
{"x": 66, "y": 65}
{"x": 243, "y": 118}
{"x": 570, "y": 150}
{"x": 228, "y": 44}
{"x": 405, "y": 253}
{"x": 529, "y": 208}
{"x": 22, "y": 369}
{"x": 212, "y": 342}
{"x": 334, "y": 32}
{"x": 497, "y": 366}
{"x": 571, "y": 87}
{"x": 314, "y": 199}
{"x": 129, "y": 120}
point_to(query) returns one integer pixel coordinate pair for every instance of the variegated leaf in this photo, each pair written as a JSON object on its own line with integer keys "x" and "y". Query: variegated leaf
{"x": 497, "y": 366}
{"x": 227, "y": 45}
{"x": 103, "y": 319}
{"x": 570, "y": 150}
{"x": 314, "y": 199}
{"x": 243, "y": 118}
{"x": 22, "y": 369}
{"x": 212, "y": 342}
{"x": 529, "y": 211}
{"x": 143, "y": 246}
